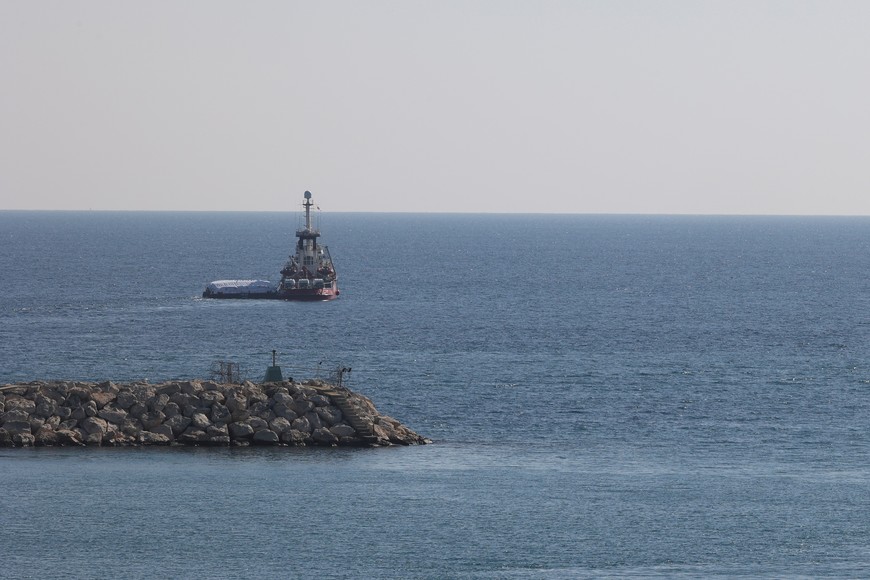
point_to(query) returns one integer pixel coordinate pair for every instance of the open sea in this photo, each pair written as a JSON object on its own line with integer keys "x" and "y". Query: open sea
{"x": 608, "y": 396}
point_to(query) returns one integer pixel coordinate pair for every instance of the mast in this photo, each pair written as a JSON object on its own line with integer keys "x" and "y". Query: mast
{"x": 307, "y": 205}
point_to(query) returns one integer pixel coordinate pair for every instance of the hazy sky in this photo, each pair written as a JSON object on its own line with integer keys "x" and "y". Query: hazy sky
{"x": 748, "y": 107}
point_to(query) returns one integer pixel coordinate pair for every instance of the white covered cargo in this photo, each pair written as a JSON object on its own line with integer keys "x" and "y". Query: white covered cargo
{"x": 241, "y": 287}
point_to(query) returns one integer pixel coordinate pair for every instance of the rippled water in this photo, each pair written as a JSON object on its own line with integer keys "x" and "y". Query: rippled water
{"x": 609, "y": 396}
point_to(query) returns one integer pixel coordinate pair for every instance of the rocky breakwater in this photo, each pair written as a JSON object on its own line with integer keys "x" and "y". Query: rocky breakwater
{"x": 193, "y": 413}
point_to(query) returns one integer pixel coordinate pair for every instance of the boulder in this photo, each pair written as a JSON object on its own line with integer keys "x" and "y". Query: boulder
{"x": 53, "y": 422}
{"x": 342, "y": 430}
{"x": 68, "y": 437}
{"x": 294, "y": 437}
{"x": 266, "y": 437}
{"x": 93, "y": 425}
{"x": 103, "y": 398}
{"x": 14, "y": 415}
{"x": 257, "y": 424}
{"x": 23, "y": 440}
{"x": 191, "y": 387}
{"x": 212, "y": 397}
{"x": 301, "y": 406}
{"x": 217, "y": 431}
{"x": 151, "y": 438}
{"x": 200, "y": 421}
{"x": 112, "y": 415}
{"x": 320, "y": 400}
{"x": 17, "y": 427}
{"x": 63, "y": 412}
{"x": 218, "y": 441}
{"x": 329, "y": 415}
{"x": 125, "y": 400}
{"x": 16, "y": 402}
{"x": 240, "y": 430}
{"x": 163, "y": 430}
{"x": 192, "y": 436}
{"x": 280, "y": 398}
{"x": 94, "y": 439}
{"x": 220, "y": 413}
{"x": 279, "y": 425}
{"x": 171, "y": 410}
{"x": 301, "y": 424}
{"x": 178, "y": 424}
{"x": 158, "y": 401}
{"x": 168, "y": 389}
{"x": 282, "y": 410}
{"x": 314, "y": 420}
{"x": 151, "y": 419}
{"x": 45, "y": 407}
{"x": 5, "y": 438}
{"x": 323, "y": 435}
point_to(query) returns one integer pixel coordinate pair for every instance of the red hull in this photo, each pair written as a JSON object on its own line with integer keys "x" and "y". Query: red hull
{"x": 308, "y": 294}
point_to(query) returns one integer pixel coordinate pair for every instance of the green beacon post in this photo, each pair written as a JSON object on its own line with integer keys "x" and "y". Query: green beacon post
{"x": 273, "y": 373}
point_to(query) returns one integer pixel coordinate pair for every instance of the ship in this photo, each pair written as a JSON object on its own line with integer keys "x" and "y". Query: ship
{"x": 309, "y": 273}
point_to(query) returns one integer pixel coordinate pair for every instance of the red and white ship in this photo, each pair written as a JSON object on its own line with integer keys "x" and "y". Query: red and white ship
{"x": 309, "y": 273}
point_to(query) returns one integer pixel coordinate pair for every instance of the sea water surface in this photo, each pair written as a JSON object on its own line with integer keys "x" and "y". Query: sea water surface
{"x": 609, "y": 396}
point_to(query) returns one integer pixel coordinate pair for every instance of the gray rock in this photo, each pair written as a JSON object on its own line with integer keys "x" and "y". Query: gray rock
{"x": 279, "y": 425}
{"x": 17, "y": 427}
{"x": 168, "y": 389}
{"x": 257, "y": 424}
{"x": 191, "y": 387}
{"x": 342, "y": 430}
{"x": 323, "y": 435}
{"x": 95, "y": 439}
{"x": 137, "y": 409}
{"x": 314, "y": 420}
{"x": 319, "y": 400}
{"x": 46, "y": 407}
{"x": 112, "y": 415}
{"x": 266, "y": 437}
{"x": 282, "y": 410}
{"x": 301, "y": 424}
{"x": 91, "y": 408}
{"x": 151, "y": 438}
{"x": 14, "y": 415}
{"x": 220, "y": 413}
{"x": 218, "y": 441}
{"x": 93, "y": 425}
{"x": 23, "y": 439}
{"x": 301, "y": 406}
{"x": 192, "y": 436}
{"x": 68, "y": 437}
{"x": 53, "y": 422}
{"x": 240, "y": 430}
{"x": 63, "y": 412}
{"x": 200, "y": 421}
{"x": 236, "y": 402}
{"x": 171, "y": 410}
{"x": 5, "y": 438}
{"x": 68, "y": 424}
{"x": 103, "y": 398}
{"x": 125, "y": 400}
{"x": 217, "y": 431}
{"x": 152, "y": 419}
{"x": 163, "y": 430}
{"x": 178, "y": 424}
{"x": 131, "y": 427}
{"x": 294, "y": 437}
{"x": 282, "y": 399}
{"x": 158, "y": 402}
{"x": 25, "y": 405}
{"x": 212, "y": 397}
{"x": 329, "y": 415}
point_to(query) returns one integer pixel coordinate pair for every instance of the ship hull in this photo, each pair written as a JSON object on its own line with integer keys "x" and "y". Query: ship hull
{"x": 310, "y": 294}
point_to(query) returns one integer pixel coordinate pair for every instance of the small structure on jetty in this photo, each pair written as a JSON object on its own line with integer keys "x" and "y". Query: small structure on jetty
{"x": 203, "y": 413}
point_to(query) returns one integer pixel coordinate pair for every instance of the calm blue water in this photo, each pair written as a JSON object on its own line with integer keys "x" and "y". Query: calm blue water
{"x": 609, "y": 397}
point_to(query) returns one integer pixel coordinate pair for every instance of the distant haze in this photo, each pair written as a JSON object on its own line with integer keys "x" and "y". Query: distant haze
{"x": 732, "y": 107}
